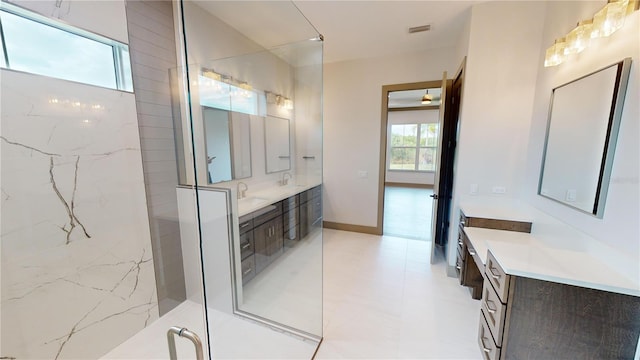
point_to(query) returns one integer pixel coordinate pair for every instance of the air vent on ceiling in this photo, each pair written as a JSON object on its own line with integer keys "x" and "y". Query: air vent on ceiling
{"x": 417, "y": 29}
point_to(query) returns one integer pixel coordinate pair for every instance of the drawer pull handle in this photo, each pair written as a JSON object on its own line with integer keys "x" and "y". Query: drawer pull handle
{"x": 494, "y": 273}
{"x": 472, "y": 252}
{"x": 246, "y": 246}
{"x": 484, "y": 348}
{"x": 492, "y": 309}
{"x": 459, "y": 243}
{"x": 458, "y": 267}
{"x": 244, "y": 225}
{"x": 247, "y": 271}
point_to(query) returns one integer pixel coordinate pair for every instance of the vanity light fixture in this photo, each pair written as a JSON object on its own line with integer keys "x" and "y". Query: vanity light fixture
{"x": 578, "y": 39}
{"x": 555, "y": 53}
{"x": 284, "y": 102}
{"x": 604, "y": 23}
{"x": 426, "y": 98}
{"x": 610, "y": 18}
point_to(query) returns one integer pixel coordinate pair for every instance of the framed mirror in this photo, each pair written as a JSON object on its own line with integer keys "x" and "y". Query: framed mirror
{"x": 582, "y": 130}
{"x": 277, "y": 144}
{"x": 228, "y": 144}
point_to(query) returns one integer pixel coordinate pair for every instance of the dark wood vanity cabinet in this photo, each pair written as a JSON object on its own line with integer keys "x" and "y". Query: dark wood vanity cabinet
{"x": 247, "y": 248}
{"x": 266, "y": 233}
{"x": 527, "y": 318}
{"x": 310, "y": 210}
{"x": 268, "y": 236}
{"x": 469, "y": 267}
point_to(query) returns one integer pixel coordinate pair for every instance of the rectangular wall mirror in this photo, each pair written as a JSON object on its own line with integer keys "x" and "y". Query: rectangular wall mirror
{"x": 277, "y": 145}
{"x": 582, "y": 130}
{"x": 228, "y": 144}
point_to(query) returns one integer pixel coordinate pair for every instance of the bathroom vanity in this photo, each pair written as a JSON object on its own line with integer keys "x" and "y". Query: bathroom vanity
{"x": 542, "y": 300}
{"x": 275, "y": 225}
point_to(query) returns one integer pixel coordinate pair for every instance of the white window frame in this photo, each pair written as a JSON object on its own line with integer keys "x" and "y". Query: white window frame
{"x": 120, "y": 51}
{"x": 417, "y": 148}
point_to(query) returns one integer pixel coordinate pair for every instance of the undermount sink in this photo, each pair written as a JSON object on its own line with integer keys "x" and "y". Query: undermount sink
{"x": 252, "y": 201}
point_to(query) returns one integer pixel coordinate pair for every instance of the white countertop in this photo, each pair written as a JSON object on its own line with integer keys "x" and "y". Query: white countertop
{"x": 501, "y": 209}
{"x": 527, "y": 255}
{"x": 257, "y": 200}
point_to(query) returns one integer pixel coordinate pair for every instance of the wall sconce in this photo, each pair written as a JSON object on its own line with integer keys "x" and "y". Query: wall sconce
{"x": 604, "y": 23}
{"x": 279, "y": 100}
{"x": 284, "y": 102}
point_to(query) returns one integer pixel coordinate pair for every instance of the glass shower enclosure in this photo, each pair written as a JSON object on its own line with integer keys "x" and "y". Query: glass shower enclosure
{"x": 252, "y": 126}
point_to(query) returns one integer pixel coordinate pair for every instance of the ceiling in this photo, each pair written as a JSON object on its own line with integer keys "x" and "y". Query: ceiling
{"x": 351, "y": 29}
{"x": 365, "y": 29}
{"x": 413, "y": 98}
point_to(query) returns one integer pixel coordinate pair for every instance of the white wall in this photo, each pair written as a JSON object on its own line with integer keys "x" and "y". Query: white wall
{"x": 619, "y": 227}
{"x": 352, "y": 120}
{"x": 502, "y": 63}
{"x": 409, "y": 117}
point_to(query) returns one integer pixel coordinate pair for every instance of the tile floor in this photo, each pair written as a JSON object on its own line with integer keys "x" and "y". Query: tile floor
{"x": 383, "y": 300}
{"x": 407, "y": 212}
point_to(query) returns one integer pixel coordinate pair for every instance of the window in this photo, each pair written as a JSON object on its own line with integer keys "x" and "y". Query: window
{"x": 39, "y": 45}
{"x": 413, "y": 147}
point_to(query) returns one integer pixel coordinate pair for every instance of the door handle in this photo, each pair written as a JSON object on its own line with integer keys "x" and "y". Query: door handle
{"x": 183, "y": 332}
{"x": 434, "y": 196}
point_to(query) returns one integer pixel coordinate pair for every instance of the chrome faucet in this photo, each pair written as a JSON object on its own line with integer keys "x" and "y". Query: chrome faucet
{"x": 242, "y": 193}
{"x": 285, "y": 180}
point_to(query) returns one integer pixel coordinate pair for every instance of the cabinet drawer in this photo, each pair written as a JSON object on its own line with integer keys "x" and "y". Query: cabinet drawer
{"x": 494, "y": 312}
{"x": 248, "y": 269}
{"x": 461, "y": 244}
{"x": 246, "y": 245}
{"x": 463, "y": 219}
{"x": 246, "y": 223}
{"x": 497, "y": 277}
{"x": 489, "y": 349}
{"x": 459, "y": 266}
{"x": 310, "y": 194}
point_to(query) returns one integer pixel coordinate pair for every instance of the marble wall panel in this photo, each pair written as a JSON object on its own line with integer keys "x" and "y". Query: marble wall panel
{"x": 77, "y": 275}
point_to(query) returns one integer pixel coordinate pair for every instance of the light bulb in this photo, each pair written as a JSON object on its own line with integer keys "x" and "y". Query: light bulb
{"x": 579, "y": 38}
{"x": 610, "y": 18}
{"x": 555, "y": 53}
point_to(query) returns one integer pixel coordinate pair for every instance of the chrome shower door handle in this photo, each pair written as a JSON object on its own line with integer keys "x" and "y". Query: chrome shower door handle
{"x": 183, "y": 332}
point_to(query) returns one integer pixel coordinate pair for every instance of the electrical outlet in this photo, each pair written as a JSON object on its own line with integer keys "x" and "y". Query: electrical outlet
{"x": 499, "y": 189}
{"x": 362, "y": 174}
{"x": 571, "y": 195}
{"x": 473, "y": 190}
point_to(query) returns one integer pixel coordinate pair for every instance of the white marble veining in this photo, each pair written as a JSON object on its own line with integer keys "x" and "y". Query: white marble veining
{"x": 77, "y": 264}
{"x": 530, "y": 256}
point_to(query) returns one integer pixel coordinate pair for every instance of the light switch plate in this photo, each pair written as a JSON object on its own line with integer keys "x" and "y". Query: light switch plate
{"x": 499, "y": 190}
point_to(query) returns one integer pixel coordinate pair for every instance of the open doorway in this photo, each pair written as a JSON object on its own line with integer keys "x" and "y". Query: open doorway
{"x": 410, "y": 127}
{"x": 440, "y": 159}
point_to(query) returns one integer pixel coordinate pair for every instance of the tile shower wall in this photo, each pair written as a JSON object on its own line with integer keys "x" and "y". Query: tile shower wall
{"x": 153, "y": 53}
{"x": 77, "y": 272}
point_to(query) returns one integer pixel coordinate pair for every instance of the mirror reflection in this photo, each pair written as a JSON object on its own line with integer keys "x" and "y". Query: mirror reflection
{"x": 277, "y": 145}
{"x": 228, "y": 144}
{"x": 587, "y": 111}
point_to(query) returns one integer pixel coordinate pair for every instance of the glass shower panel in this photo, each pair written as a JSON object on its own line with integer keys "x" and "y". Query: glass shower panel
{"x": 262, "y": 234}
